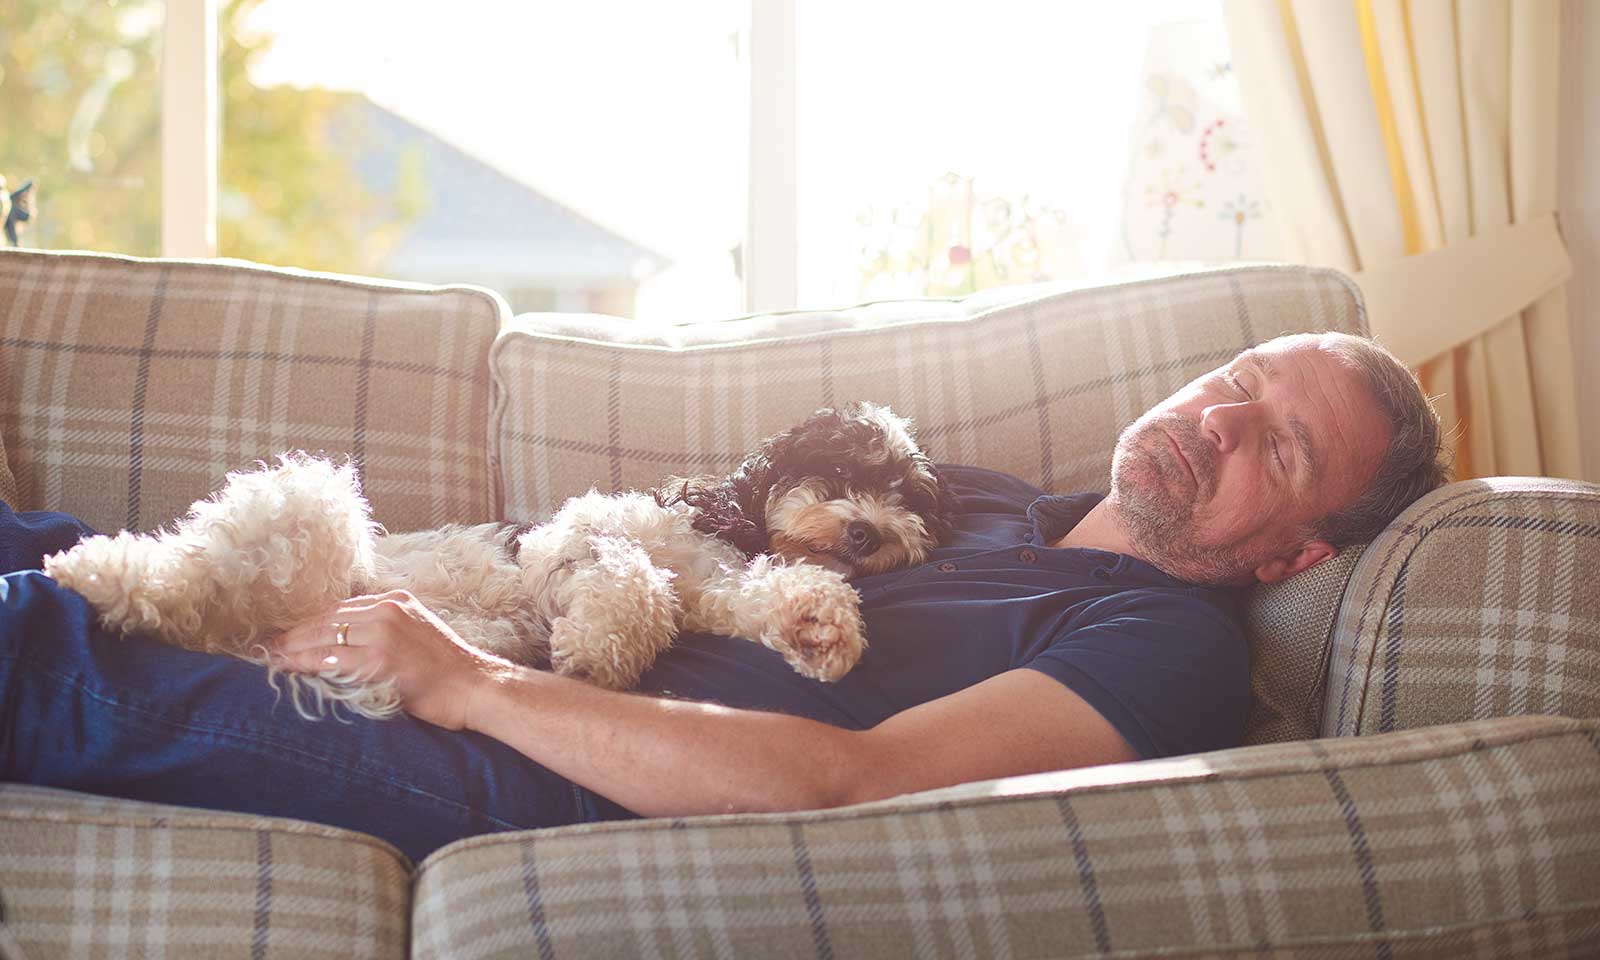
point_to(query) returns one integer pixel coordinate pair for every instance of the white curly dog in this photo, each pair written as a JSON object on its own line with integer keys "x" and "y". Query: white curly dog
{"x": 596, "y": 592}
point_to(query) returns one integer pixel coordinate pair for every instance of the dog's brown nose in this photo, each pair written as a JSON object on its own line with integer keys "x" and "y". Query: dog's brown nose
{"x": 863, "y": 537}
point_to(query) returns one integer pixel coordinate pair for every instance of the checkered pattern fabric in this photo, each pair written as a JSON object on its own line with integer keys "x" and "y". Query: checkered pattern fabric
{"x": 1476, "y": 840}
{"x": 1038, "y": 387}
{"x": 1477, "y": 602}
{"x": 8, "y": 482}
{"x": 130, "y": 387}
{"x": 86, "y": 877}
{"x": 1289, "y": 626}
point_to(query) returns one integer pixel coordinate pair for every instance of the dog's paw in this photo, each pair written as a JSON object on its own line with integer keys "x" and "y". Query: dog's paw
{"x": 818, "y": 629}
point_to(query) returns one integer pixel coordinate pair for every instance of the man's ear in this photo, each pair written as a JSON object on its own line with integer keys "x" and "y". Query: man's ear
{"x": 1295, "y": 560}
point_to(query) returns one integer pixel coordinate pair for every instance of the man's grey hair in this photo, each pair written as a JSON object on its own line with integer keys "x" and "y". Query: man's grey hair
{"x": 1416, "y": 460}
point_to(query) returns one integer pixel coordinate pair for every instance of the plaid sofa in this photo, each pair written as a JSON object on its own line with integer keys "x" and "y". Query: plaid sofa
{"x": 1422, "y": 776}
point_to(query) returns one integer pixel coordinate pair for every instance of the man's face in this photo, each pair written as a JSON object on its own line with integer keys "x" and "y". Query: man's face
{"x": 1218, "y": 483}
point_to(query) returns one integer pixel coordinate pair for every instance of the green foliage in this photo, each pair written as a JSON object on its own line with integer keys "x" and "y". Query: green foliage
{"x": 80, "y": 113}
{"x": 289, "y": 193}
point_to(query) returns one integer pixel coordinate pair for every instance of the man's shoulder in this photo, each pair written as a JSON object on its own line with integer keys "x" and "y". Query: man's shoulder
{"x": 967, "y": 480}
{"x": 983, "y": 490}
{"x": 1175, "y": 603}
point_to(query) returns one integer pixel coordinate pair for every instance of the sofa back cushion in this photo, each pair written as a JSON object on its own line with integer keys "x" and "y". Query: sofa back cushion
{"x": 8, "y": 481}
{"x": 132, "y": 386}
{"x": 1290, "y": 624}
{"x": 1035, "y": 382}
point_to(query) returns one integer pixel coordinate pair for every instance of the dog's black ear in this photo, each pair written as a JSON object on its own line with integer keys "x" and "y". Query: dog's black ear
{"x": 831, "y": 443}
{"x": 731, "y": 508}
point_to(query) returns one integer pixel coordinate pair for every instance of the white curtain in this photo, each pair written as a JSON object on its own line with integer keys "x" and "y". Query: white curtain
{"x": 1412, "y": 144}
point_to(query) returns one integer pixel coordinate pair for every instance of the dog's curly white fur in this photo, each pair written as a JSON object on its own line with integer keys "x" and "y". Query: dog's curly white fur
{"x": 596, "y": 592}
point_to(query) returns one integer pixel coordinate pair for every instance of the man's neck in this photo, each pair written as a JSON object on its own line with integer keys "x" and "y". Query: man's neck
{"x": 1099, "y": 530}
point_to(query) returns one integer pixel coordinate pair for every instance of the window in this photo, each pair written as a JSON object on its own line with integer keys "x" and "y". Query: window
{"x": 585, "y": 156}
{"x": 960, "y": 147}
{"x": 80, "y": 95}
{"x": 666, "y": 162}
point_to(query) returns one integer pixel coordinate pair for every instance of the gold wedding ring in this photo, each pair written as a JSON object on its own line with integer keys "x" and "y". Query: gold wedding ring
{"x": 341, "y": 634}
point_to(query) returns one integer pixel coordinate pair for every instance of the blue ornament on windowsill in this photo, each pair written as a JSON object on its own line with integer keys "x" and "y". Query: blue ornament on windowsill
{"x": 16, "y": 208}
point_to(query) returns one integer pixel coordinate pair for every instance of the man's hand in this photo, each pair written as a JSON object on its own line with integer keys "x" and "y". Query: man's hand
{"x": 392, "y": 636}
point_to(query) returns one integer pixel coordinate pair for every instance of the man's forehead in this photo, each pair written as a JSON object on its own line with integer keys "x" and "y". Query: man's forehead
{"x": 1262, "y": 360}
{"x": 1298, "y": 343}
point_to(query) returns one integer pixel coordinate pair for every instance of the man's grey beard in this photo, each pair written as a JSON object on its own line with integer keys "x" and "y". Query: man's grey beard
{"x": 1155, "y": 505}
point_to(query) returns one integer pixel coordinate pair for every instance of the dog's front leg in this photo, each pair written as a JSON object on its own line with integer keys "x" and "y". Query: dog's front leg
{"x": 619, "y": 613}
{"x": 808, "y": 614}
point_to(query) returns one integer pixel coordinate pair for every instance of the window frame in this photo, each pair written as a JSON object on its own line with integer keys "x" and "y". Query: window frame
{"x": 191, "y": 131}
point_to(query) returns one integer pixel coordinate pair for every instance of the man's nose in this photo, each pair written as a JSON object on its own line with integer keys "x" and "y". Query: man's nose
{"x": 1226, "y": 425}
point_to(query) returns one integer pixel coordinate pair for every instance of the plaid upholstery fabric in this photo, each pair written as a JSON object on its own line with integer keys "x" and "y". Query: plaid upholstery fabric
{"x": 1289, "y": 626}
{"x": 8, "y": 482}
{"x": 131, "y": 386}
{"x": 1038, "y": 387}
{"x": 1477, "y": 602}
{"x": 1475, "y": 840}
{"x": 83, "y": 876}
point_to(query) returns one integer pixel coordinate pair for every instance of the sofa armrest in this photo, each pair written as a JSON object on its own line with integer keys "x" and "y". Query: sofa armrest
{"x": 1435, "y": 842}
{"x": 1476, "y": 602}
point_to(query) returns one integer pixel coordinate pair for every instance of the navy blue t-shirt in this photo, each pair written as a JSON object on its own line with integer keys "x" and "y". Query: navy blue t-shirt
{"x": 1165, "y": 662}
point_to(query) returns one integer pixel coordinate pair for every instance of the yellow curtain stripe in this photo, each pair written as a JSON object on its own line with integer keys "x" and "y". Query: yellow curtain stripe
{"x": 1404, "y": 199}
{"x": 1422, "y": 117}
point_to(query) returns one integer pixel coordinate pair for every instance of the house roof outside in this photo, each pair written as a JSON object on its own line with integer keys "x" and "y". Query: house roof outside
{"x": 483, "y": 226}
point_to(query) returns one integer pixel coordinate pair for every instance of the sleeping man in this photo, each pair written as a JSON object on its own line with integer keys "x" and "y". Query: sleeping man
{"x": 1050, "y": 632}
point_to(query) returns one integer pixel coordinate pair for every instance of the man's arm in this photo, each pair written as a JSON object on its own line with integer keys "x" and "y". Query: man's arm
{"x": 662, "y": 757}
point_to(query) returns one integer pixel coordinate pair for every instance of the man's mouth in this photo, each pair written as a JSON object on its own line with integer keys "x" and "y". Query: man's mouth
{"x": 1188, "y": 468}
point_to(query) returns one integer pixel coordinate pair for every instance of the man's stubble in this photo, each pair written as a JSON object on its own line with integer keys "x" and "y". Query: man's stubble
{"x": 1156, "y": 503}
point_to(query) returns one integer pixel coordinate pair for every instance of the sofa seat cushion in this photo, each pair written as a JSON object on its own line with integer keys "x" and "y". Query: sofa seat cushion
{"x": 1037, "y": 382}
{"x": 91, "y": 876}
{"x": 1476, "y": 839}
{"x": 133, "y": 385}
